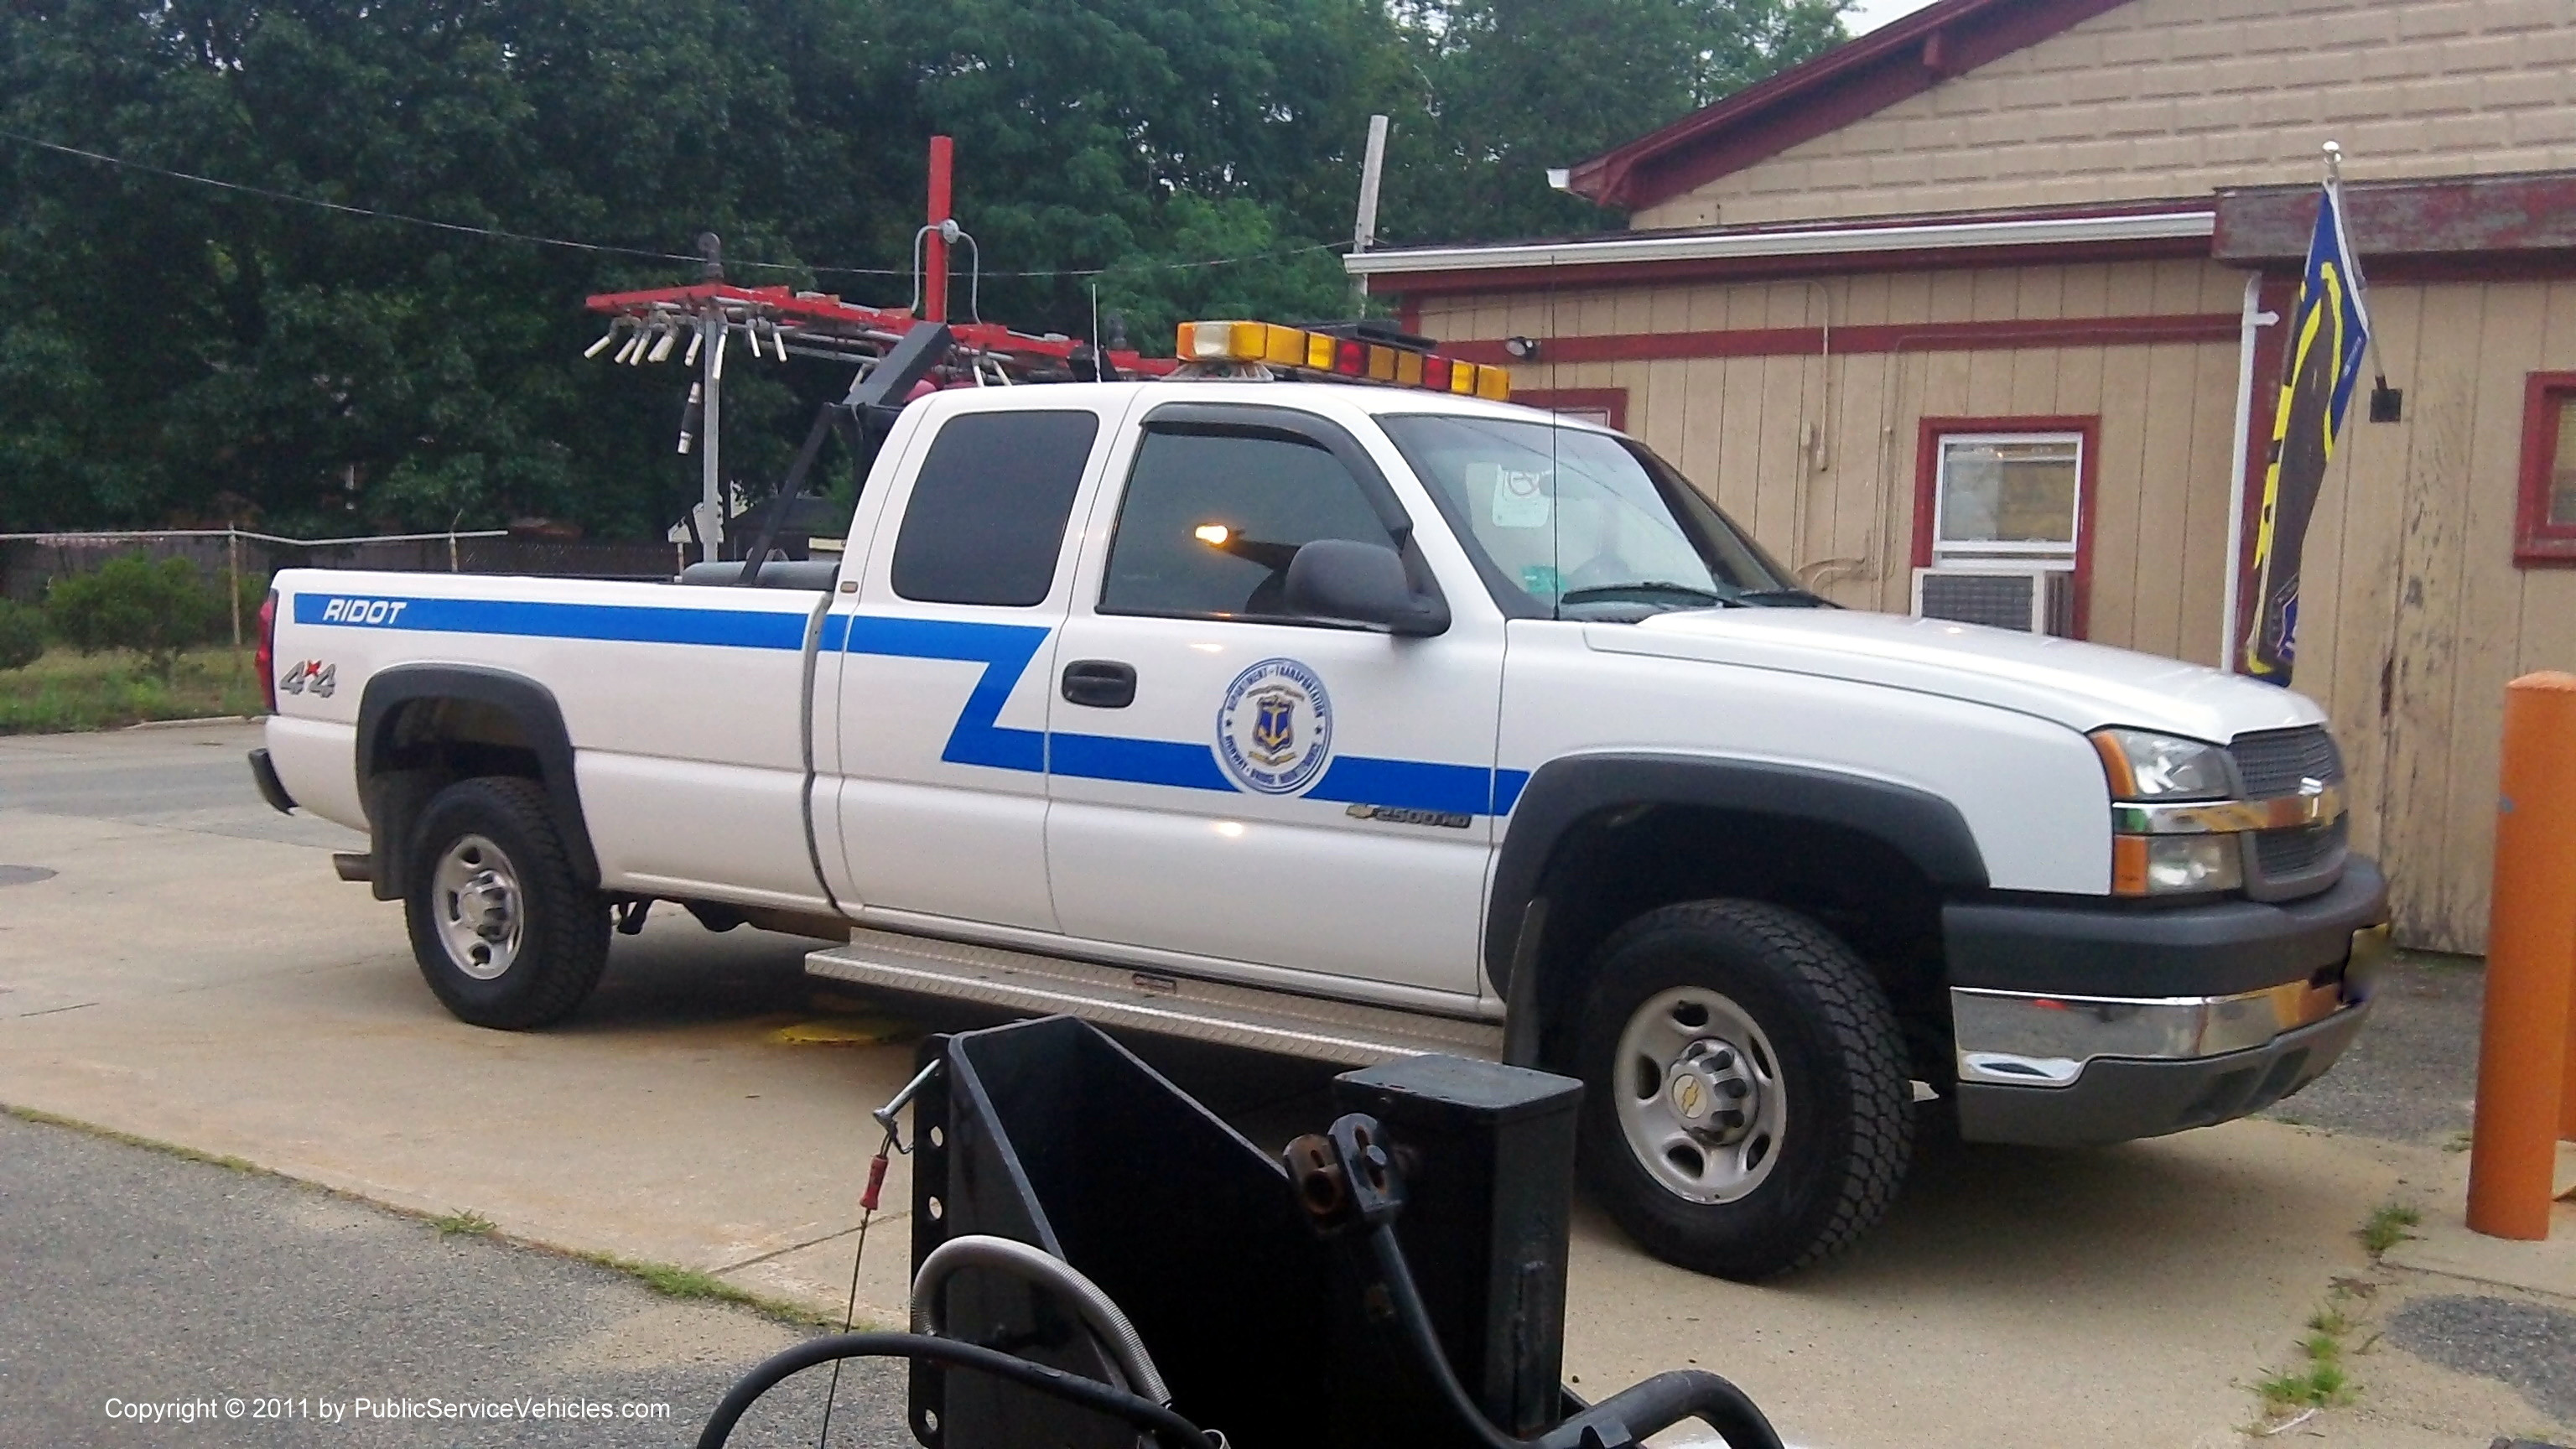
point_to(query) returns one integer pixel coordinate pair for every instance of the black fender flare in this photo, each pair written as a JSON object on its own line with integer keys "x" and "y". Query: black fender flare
{"x": 1924, "y": 828}
{"x": 530, "y": 704}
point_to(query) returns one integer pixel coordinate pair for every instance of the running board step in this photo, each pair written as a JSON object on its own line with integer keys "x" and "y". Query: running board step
{"x": 1242, "y": 1016}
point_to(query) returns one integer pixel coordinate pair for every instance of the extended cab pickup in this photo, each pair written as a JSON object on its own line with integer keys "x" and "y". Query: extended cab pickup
{"x": 1357, "y": 721}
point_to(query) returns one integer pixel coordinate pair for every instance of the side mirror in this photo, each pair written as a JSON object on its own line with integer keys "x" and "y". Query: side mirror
{"x": 1348, "y": 582}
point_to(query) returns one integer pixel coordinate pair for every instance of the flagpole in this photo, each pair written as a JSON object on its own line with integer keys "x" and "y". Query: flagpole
{"x": 2352, "y": 263}
{"x": 2319, "y": 369}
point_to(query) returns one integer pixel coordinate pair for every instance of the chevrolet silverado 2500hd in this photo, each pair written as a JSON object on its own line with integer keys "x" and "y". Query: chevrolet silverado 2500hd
{"x": 1358, "y": 721}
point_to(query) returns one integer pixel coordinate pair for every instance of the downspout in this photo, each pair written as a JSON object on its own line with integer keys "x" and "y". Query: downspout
{"x": 2251, "y": 320}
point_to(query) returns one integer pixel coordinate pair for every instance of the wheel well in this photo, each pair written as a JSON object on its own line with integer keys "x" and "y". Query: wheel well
{"x": 1619, "y": 863}
{"x": 420, "y": 745}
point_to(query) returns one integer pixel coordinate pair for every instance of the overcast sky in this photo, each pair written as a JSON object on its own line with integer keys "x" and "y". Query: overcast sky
{"x": 1871, "y": 14}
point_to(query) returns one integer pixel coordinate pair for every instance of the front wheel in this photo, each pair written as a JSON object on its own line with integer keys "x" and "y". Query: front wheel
{"x": 1747, "y": 1109}
{"x": 504, "y": 930}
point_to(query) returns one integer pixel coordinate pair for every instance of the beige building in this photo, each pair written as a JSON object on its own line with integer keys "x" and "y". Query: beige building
{"x": 1985, "y": 301}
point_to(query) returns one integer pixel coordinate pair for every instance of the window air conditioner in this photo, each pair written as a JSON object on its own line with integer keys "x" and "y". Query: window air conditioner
{"x": 2030, "y": 598}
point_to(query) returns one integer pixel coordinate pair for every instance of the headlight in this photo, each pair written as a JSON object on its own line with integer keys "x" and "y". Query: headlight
{"x": 2156, "y": 865}
{"x": 2145, "y": 766}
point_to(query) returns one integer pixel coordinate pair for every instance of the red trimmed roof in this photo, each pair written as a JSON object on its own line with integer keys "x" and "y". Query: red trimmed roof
{"x": 1855, "y": 79}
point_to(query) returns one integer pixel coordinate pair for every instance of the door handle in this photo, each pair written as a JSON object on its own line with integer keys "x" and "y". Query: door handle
{"x": 1100, "y": 683}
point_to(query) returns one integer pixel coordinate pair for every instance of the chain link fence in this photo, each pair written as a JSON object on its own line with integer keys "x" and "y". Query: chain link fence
{"x": 30, "y": 562}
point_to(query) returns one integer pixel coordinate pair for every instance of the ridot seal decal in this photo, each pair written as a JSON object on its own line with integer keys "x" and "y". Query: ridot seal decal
{"x": 1276, "y": 727}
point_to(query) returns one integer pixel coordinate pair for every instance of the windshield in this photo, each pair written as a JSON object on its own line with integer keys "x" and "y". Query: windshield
{"x": 1585, "y": 524}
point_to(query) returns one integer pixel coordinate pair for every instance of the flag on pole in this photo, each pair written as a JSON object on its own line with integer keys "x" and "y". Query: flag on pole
{"x": 2329, "y": 334}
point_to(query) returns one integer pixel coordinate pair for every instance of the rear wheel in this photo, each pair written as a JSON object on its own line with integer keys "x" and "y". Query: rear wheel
{"x": 506, "y": 934}
{"x": 1747, "y": 1109}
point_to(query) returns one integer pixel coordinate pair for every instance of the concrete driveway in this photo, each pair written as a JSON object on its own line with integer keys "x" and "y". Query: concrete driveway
{"x": 190, "y": 971}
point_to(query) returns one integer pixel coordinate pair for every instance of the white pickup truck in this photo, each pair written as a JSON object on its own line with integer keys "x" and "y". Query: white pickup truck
{"x": 1354, "y": 721}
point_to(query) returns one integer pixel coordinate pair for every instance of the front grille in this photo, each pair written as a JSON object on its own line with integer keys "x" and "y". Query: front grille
{"x": 2270, "y": 765}
{"x": 2281, "y": 855}
{"x": 2274, "y": 762}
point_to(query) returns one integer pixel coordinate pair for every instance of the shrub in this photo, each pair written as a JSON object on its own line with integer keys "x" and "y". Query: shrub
{"x": 254, "y": 592}
{"x": 22, "y": 635}
{"x": 154, "y": 609}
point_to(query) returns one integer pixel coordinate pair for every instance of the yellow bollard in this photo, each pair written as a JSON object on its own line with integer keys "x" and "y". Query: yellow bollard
{"x": 2525, "y": 1062}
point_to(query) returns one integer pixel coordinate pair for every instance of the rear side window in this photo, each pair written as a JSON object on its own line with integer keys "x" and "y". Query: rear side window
{"x": 1212, "y": 519}
{"x": 987, "y": 516}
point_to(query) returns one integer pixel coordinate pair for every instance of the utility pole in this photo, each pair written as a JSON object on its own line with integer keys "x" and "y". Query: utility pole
{"x": 934, "y": 287}
{"x": 1364, "y": 226}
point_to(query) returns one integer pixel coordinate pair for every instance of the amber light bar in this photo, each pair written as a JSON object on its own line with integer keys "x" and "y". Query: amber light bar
{"x": 1279, "y": 346}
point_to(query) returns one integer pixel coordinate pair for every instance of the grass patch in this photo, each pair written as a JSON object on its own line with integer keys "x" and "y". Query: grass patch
{"x": 2460, "y": 1141}
{"x": 152, "y": 1144}
{"x": 66, "y": 690}
{"x": 463, "y": 1223}
{"x": 2320, "y": 1380}
{"x": 2317, "y": 1386}
{"x": 672, "y": 1281}
{"x": 2387, "y": 1227}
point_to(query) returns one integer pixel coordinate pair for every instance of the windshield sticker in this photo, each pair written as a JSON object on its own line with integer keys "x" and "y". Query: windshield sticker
{"x": 1520, "y": 495}
{"x": 1542, "y": 579}
{"x": 1275, "y": 728}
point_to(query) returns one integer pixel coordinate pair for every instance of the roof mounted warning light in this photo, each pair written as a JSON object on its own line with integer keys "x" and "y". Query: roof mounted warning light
{"x": 1364, "y": 351}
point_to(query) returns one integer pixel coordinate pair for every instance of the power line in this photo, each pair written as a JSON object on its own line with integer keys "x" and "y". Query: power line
{"x": 607, "y": 249}
{"x": 491, "y": 233}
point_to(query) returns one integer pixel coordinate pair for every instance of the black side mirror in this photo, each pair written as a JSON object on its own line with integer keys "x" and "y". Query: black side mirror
{"x": 1348, "y": 582}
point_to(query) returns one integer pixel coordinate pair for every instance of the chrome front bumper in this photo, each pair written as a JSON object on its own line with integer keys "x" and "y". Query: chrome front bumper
{"x": 2073, "y": 1070}
{"x": 2026, "y": 1039}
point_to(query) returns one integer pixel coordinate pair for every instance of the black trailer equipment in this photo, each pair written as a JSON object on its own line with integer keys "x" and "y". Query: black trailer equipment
{"x": 1099, "y": 1260}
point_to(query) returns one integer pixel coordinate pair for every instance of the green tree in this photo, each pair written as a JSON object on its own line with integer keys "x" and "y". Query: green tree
{"x": 172, "y": 352}
{"x": 1507, "y": 89}
{"x": 337, "y": 371}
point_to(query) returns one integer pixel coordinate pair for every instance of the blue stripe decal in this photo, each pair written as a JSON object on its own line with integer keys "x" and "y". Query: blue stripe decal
{"x": 978, "y": 738}
{"x": 618, "y": 623}
{"x": 1137, "y": 762}
{"x": 1407, "y": 785}
{"x": 1003, "y": 649}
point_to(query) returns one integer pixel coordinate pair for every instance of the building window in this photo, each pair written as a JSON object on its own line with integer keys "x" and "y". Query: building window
{"x": 2010, "y": 497}
{"x": 2545, "y": 523}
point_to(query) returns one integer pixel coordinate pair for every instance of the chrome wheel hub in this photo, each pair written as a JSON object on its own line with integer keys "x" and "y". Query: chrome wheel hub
{"x": 1698, "y": 1093}
{"x": 475, "y": 895}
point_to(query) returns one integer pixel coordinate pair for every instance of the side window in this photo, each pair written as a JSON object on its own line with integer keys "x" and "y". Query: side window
{"x": 985, "y": 523}
{"x": 1211, "y": 520}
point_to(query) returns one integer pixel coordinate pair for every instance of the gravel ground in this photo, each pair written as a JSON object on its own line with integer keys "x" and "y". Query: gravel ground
{"x": 2412, "y": 1074}
{"x": 2531, "y": 1346}
{"x": 137, "y": 1276}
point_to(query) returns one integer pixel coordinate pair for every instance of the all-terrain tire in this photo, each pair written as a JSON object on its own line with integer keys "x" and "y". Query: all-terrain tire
{"x": 1842, "y": 1128}
{"x": 487, "y": 851}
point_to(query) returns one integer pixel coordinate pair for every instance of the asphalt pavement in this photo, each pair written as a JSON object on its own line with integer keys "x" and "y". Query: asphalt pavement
{"x": 154, "y": 1300}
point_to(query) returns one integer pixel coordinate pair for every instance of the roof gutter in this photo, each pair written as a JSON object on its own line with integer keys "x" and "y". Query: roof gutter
{"x": 1804, "y": 242}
